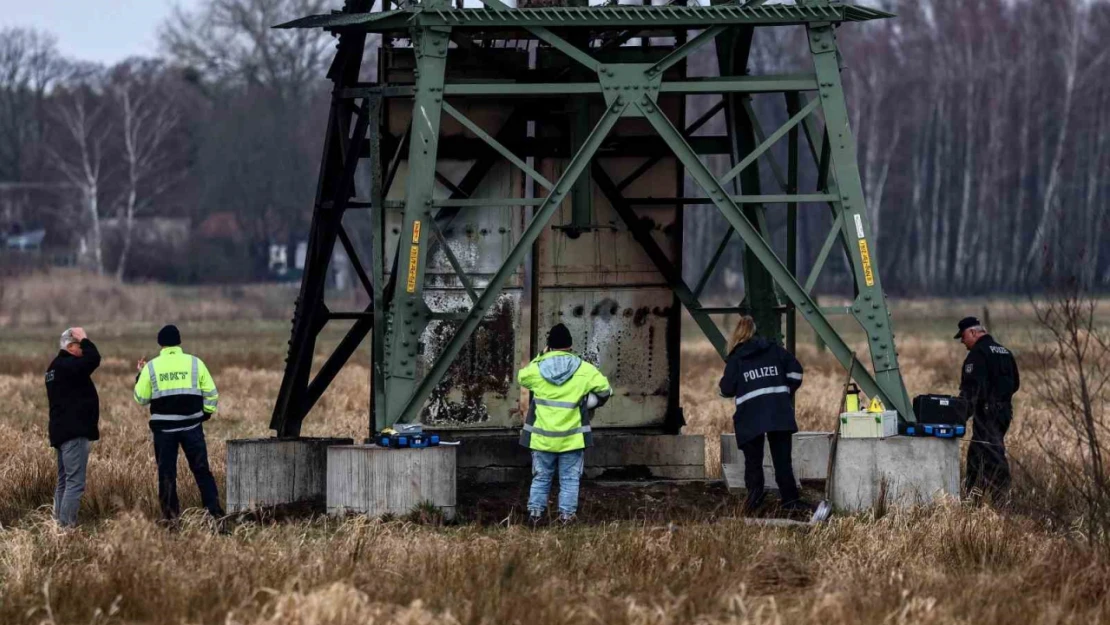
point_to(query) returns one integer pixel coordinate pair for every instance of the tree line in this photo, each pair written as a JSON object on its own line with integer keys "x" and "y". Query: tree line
{"x": 983, "y": 132}
{"x": 983, "y": 136}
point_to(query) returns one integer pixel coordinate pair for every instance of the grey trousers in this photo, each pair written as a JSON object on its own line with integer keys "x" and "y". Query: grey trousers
{"x": 73, "y": 459}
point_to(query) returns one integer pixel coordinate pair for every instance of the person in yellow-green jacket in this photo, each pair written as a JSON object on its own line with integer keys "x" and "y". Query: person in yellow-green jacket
{"x": 565, "y": 389}
{"x": 181, "y": 396}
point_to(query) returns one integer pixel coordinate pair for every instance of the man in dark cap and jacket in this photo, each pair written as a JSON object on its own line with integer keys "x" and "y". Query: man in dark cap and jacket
{"x": 989, "y": 380}
{"x": 181, "y": 396}
{"x": 74, "y": 418}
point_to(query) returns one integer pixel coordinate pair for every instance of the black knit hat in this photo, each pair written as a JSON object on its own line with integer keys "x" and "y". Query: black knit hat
{"x": 559, "y": 337}
{"x": 169, "y": 336}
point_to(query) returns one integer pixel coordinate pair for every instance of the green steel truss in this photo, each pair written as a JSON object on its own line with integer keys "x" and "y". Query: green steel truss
{"x": 398, "y": 314}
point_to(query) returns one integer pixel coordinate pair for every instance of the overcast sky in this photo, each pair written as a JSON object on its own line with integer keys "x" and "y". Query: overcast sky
{"x": 105, "y": 31}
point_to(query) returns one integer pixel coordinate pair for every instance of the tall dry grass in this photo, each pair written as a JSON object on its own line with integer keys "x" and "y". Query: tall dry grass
{"x": 59, "y": 296}
{"x": 948, "y": 564}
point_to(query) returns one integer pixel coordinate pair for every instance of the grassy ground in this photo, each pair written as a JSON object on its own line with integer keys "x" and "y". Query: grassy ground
{"x": 657, "y": 562}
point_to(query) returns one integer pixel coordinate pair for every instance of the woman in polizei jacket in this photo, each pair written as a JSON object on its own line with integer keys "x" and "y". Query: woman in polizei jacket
{"x": 762, "y": 377}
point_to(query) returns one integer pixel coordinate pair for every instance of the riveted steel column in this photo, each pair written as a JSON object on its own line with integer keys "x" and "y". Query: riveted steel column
{"x": 792, "y": 108}
{"x": 766, "y": 256}
{"x": 733, "y": 48}
{"x": 408, "y": 313}
{"x": 870, "y": 307}
{"x": 334, "y": 188}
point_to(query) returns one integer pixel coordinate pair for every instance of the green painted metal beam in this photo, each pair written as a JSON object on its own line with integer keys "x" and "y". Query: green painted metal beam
{"x": 869, "y": 308}
{"x": 761, "y": 249}
{"x": 770, "y": 141}
{"x": 577, "y": 165}
{"x": 729, "y": 84}
{"x": 683, "y": 51}
{"x": 616, "y": 17}
{"x": 407, "y": 310}
{"x": 658, "y": 257}
{"x": 493, "y": 143}
{"x": 819, "y": 264}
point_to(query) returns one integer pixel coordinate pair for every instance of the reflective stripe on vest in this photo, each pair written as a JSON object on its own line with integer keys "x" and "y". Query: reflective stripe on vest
{"x": 176, "y": 417}
{"x": 194, "y": 388}
{"x": 535, "y": 430}
{"x": 763, "y": 391}
{"x": 551, "y": 403}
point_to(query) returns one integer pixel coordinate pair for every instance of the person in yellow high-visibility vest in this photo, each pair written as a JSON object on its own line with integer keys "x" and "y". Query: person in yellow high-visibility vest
{"x": 181, "y": 396}
{"x": 565, "y": 389}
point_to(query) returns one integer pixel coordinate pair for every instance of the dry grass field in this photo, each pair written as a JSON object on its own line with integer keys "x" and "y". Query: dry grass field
{"x": 949, "y": 564}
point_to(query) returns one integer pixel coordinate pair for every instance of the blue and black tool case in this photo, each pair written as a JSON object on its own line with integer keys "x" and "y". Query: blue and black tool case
{"x": 938, "y": 430}
{"x": 407, "y": 441}
{"x": 942, "y": 416}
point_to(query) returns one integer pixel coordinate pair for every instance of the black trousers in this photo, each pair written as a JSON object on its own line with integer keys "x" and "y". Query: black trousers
{"x": 196, "y": 453}
{"x": 781, "y": 444}
{"x": 987, "y": 467}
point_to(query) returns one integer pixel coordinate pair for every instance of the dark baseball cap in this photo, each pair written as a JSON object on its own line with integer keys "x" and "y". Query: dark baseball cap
{"x": 965, "y": 323}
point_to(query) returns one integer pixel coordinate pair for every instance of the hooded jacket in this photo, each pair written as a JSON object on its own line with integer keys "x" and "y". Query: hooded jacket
{"x": 761, "y": 377}
{"x": 558, "y": 419}
{"x": 74, "y": 403}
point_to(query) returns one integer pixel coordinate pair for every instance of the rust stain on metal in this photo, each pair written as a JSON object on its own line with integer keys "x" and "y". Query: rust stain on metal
{"x": 483, "y": 368}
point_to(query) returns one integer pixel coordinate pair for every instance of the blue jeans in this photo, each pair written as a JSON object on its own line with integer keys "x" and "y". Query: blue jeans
{"x": 196, "y": 453}
{"x": 73, "y": 459}
{"x": 544, "y": 463}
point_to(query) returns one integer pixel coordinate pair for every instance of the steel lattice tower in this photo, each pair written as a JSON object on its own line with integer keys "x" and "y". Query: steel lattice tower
{"x": 597, "y": 99}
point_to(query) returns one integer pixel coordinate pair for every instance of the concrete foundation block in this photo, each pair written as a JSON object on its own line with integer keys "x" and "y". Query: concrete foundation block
{"x": 810, "y": 455}
{"x": 500, "y": 458}
{"x": 372, "y": 480}
{"x": 264, "y": 472}
{"x": 903, "y": 470}
{"x": 625, "y": 456}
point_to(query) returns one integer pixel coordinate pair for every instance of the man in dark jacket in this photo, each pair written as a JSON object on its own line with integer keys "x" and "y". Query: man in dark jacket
{"x": 989, "y": 380}
{"x": 74, "y": 418}
{"x": 762, "y": 377}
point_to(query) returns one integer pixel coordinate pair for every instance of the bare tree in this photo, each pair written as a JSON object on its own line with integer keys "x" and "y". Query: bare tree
{"x": 148, "y": 117}
{"x": 79, "y": 158}
{"x": 234, "y": 40}
{"x": 1075, "y": 379}
{"x": 29, "y": 68}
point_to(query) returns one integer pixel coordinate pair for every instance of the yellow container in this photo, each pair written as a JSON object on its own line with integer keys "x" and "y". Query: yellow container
{"x": 869, "y": 424}
{"x": 851, "y": 399}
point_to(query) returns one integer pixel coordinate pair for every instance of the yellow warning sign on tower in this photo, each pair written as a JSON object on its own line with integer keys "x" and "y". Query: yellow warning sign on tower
{"x": 865, "y": 256}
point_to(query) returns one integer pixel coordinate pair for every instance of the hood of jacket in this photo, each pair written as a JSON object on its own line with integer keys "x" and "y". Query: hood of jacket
{"x": 751, "y": 347}
{"x": 558, "y": 367}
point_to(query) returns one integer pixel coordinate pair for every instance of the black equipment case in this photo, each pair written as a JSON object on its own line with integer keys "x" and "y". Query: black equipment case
{"x": 943, "y": 416}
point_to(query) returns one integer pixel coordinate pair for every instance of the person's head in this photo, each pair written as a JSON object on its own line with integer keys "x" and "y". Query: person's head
{"x": 169, "y": 336}
{"x": 742, "y": 333}
{"x": 971, "y": 330}
{"x": 558, "y": 339}
{"x": 70, "y": 343}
